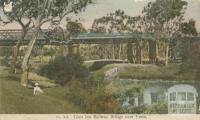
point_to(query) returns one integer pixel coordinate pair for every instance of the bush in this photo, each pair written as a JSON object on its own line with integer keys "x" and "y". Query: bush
{"x": 64, "y": 68}
{"x": 91, "y": 96}
{"x": 158, "y": 108}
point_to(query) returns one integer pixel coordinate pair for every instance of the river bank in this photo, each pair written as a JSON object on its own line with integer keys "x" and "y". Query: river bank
{"x": 152, "y": 72}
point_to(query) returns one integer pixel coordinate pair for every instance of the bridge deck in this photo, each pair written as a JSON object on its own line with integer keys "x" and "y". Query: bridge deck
{"x": 10, "y": 38}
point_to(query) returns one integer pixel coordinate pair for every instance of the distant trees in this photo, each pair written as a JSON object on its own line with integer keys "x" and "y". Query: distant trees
{"x": 56, "y": 34}
{"x": 113, "y": 22}
{"x": 164, "y": 17}
{"x": 190, "y": 47}
{"x": 119, "y": 22}
{"x": 188, "y": 28}
{"x": 75, "y": 27}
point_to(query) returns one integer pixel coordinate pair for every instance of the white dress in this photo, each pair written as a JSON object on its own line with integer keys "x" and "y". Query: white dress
{"x": 37, "y": 90}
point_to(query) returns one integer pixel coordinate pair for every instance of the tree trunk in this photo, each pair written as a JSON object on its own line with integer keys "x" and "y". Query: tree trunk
{"x": 77, "y": 49}
{"x": 120, "y": 50}
{"x": 153, "y": 51}
{"x": 130, "y": 52}
{"x": 113, "y": 51}
{"x": 16, "y": 50}
{"x": 70, "y": 51}
{"x": 157, "y": 40}
{"x": 166, "y": 54}
{"x": 157, "y": 51}
{"x": 25, "y": 63}
{"x": 138, "y": 53}
{"x": 141, "y": 56}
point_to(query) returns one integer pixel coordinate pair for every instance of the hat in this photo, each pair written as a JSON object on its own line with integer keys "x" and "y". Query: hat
{"x": 36, "y": 84}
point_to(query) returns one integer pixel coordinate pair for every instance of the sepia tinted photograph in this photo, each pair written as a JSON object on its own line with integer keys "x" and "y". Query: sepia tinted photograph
{"x": 100, "y": 57}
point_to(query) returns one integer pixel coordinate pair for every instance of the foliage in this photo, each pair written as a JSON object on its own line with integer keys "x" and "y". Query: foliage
{"x": 90, "y": 94}
{"x": 64, "y": 68}
{"x": 47, "y": 9}
{"x": 48, "y": 51}
{"x": 194, "y": 54}
{"x": 164, "y": 17}
{"x": 43, "y": 51}
{"x": 157, "y": 108}
{"x": 56, "y": 34}
{"x": 75, "y": 27}
{"x": 103, "y": 51}
{"x": 160, "y": 14}
{"x": 121, "y": 89}
{"x": 133, "y": 110}
{"x": 39, "y": 12}
{"x": 44, "y": 82}
{"x": 119, "y": 22}
{"x": 189, "y": 47}
{"x": 191, "y": 64}
{"x": 188, "y": 28}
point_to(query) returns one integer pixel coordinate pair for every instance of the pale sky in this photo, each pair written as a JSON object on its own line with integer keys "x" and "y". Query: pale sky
{"x": 131, "y": 7}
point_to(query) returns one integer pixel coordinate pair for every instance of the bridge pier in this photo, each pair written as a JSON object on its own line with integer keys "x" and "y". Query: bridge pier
{"x": 153, "y": 46}
{"x": 73, "y": 49}
{"x": 130, "y": 52}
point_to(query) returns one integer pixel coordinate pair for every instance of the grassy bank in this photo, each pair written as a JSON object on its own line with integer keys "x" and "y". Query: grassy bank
{"x": 16, "y": 99}
{"x": 151, "y": 72}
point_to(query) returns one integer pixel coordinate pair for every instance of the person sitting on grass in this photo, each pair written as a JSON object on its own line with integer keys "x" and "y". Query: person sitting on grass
{"x": 37, "y": 90}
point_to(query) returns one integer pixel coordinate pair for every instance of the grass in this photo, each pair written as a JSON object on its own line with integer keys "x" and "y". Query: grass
{"x": 43, "y": 81}
{"x": 16, "y": 99}
{"x": 150, "y": 72}
{"x": 117, "y": 87}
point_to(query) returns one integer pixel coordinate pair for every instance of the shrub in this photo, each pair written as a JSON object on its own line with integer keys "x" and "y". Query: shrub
{"x": 157, "y": 108}
{"x": 91, "y": 96}
{"x": 64, "y": 68}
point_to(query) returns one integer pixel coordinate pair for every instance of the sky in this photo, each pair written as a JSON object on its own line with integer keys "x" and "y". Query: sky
{"x": 131, "y": 7}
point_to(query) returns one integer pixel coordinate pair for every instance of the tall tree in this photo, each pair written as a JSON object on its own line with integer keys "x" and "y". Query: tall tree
{"x": 119, "y": 22}
{"x": 74, "y": 27}
{"x": 163, "y": 17}
{"x": 188, "y": 29}
{"x": 43, "y": 11}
